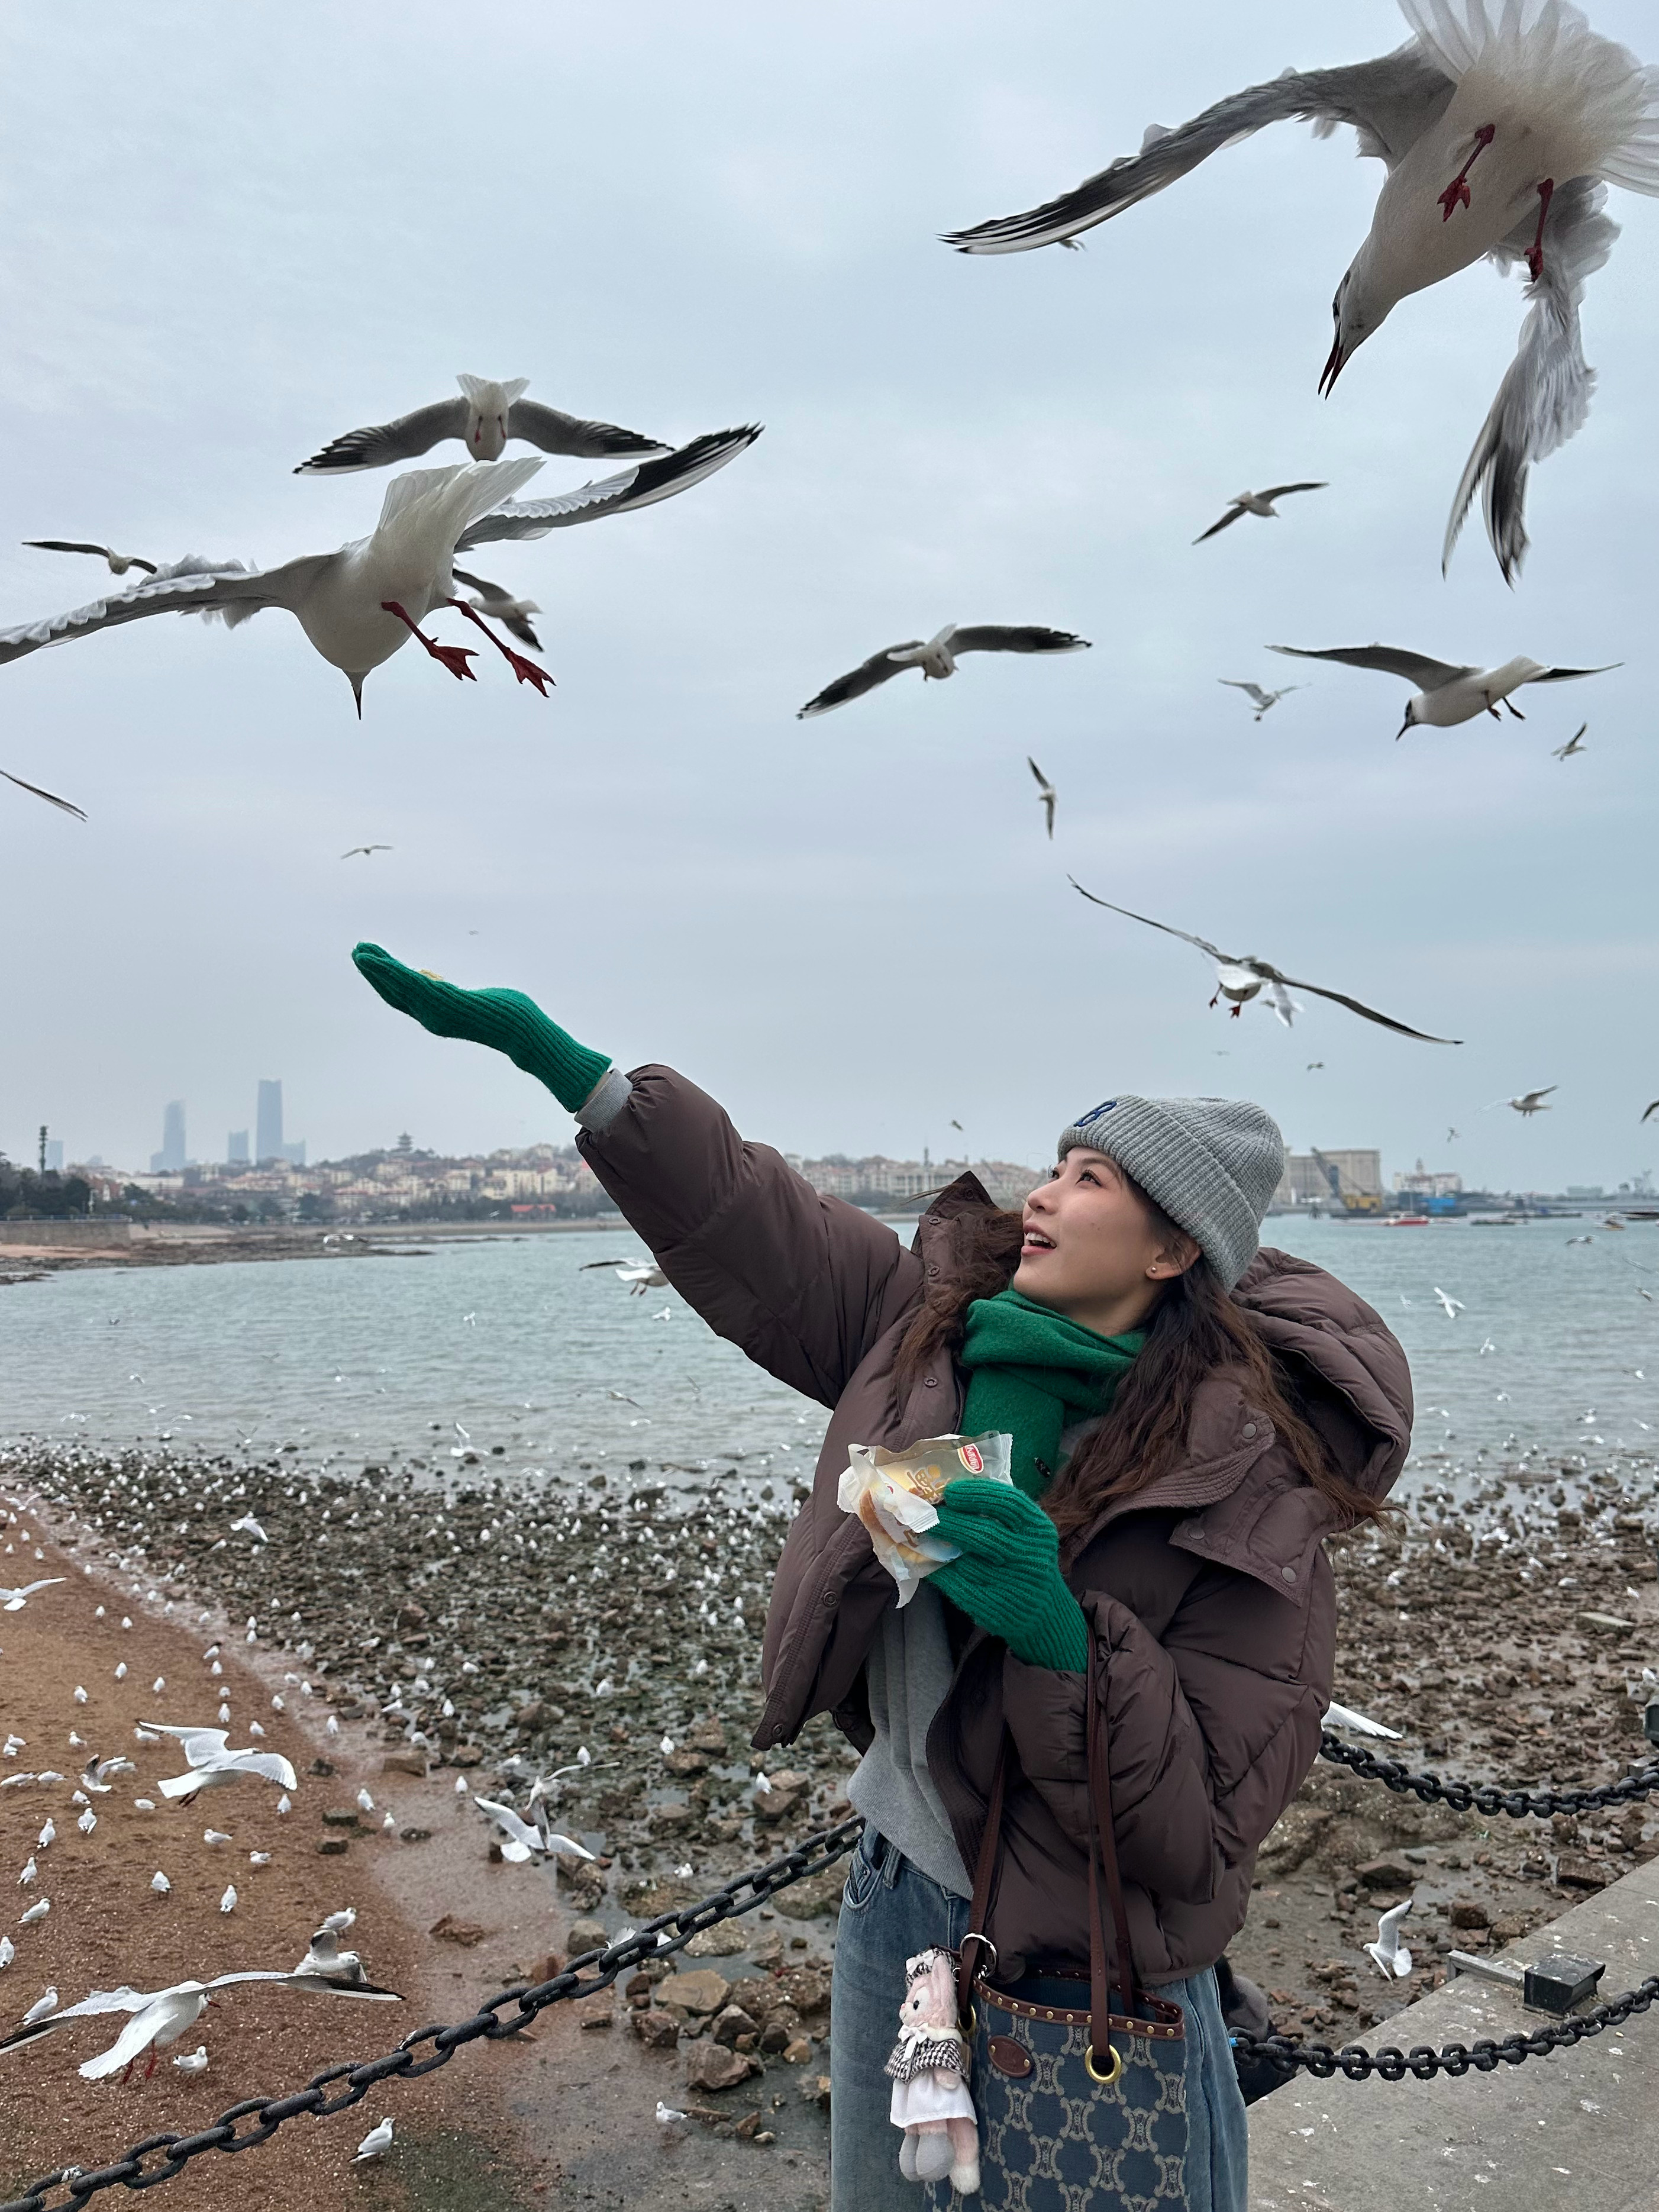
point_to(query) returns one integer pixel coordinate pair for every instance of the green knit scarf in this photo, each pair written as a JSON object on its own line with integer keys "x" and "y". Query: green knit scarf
{"x": 1033, "y": 1372}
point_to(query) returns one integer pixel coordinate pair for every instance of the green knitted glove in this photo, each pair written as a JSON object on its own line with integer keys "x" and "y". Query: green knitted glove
{"x": 507, "y": 1021}
{"x": 1008, "y": 1578}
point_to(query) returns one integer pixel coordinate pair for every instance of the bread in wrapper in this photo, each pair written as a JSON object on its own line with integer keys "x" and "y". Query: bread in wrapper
{"x": 895, "y": 1494}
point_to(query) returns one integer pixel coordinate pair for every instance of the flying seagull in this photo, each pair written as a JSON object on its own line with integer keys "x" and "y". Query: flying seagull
{"x": 14, "y": 1601}
{"x": 352, "y": 852}
{"x": 1574, "y": 746}
{"x": 513, "y": 614}
{"x": 50, "y": 797}
{"x": 1345, "y": 1716}
{"x": 1254, "y": 503}
{"x": 640, "y": 1279}
{"x": 1262, "y": 700}
{"x": 1239, "y": 978}
{"x": 486, "y": 416}
{"x": 213, "y": 1765}
{"x": 937, "y": 656}
{"x": 1649, "y": 1111}
{"x": 359, "y": 605}
{"x": 1529, "y": 1102}
{"x": 119, "y": 562}
{"x": 1445, "y": 694}
{"x": 1495, "y": 126}
{"x": 1048, "y": 795}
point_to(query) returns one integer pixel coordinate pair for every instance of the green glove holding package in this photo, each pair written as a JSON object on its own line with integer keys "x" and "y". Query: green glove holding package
{"x": 1008, "y": 1578}
{"x": 507, "y": 1021}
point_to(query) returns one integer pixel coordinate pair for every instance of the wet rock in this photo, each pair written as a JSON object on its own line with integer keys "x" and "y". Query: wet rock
{"x": 700, "y": 1990}
{"x": 797, "y": 2052}
{"x": 414, "y": 1835}
{"x": 1469, "y": 1912}
{"x": 1576, "y": 1872}
{"x": 814, "y": 2089}
{"x": 586, "y": 1935}
{"x": 724, "y": 1940}
{"x": 786, "y": 1796}
{"x": 404, "y": 1762}
{"x": 660, "y": 2030}
{"x": 811, "y": 1898}
{"x": 731, "y": 2022}
{"x": 449, "y": 1929}
{"x": 805, "y": 1987}
{"x": 1390, "y": 1872}
{"x": 333, "y": 1847}
{"x": 711, "y": 2067}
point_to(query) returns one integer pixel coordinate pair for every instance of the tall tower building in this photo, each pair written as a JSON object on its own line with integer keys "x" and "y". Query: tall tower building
{"x": 171, "y": 1157}
{"x": 236, "y": 1151}
{"x": 268, "y": 1124}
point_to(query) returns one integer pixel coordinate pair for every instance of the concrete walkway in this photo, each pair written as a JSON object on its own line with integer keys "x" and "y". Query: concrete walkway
{"x": 1574, "y": 2132}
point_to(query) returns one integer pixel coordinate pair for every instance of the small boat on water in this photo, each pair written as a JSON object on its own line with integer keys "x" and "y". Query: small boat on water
{"x": 1408, "y": 1221}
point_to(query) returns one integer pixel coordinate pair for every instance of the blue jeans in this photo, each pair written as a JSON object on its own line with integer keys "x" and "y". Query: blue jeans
{"x": 889, "y": 1912}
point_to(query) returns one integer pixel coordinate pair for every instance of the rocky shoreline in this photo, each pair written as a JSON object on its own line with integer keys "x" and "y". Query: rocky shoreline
{"x": 475, "y": 1620}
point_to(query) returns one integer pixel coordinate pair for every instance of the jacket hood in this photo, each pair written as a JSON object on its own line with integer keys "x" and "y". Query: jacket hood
{"x": 1361, "y": 1396}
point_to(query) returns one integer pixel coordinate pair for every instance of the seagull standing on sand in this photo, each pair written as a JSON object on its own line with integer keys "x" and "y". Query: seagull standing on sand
{"x": 1529, "y": 1102}
{"x": 1254, "y": 503}
{"x": 1446, "y": 694}
{"x": 360, "y": 605}
{"x": 1497, "y": 127}
{"x": 936, "y": 657}
{"x": 1047, "y": 797}
{"x": 1262, "y": 700}
{"x": 1241, "y": 977}
{"x": 485, "y": 416}
{"x": 375, "y": 2143}
{"x": 1573, "y": 747}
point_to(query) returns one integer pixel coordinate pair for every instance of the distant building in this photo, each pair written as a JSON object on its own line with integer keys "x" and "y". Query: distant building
{"x": 53, "y": 1149}
{"x": 170, "y": 1160}
{"x": 1316, "y": 1178}
{"x": 1585, "y": 1190}
{"x": 876, "y": 1178}
{"x": 236, "y": 1151}
{"x": 268, "y": 1123}
{"x": 1429, "y": 1182}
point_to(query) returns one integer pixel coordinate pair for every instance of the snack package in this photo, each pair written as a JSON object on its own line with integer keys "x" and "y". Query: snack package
{"x": 896, "y": 1495}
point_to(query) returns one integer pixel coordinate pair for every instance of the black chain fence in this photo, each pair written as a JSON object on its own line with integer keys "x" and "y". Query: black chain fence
{"x": 158, "y": 2158}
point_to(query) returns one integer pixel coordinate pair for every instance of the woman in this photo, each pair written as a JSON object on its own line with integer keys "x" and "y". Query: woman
{"x": 1190, "y": 1418}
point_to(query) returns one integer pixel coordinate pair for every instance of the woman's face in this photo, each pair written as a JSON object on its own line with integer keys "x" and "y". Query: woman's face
{"x": 1093, "y": 1248}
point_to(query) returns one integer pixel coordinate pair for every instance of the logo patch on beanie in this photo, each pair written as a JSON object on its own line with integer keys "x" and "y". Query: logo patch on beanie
{"x": 1095, "y": 1112}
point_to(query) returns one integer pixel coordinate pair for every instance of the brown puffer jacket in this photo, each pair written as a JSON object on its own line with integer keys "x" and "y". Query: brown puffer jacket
{"x": 1211, "y": 1599}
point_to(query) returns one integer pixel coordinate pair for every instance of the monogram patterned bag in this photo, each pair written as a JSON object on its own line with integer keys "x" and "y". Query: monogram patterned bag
{"x": 1080, "y": 2106}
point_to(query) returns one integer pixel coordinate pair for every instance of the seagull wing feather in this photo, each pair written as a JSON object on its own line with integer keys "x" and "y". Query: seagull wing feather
{"x": 632, "y": 488}
{"x": 1388, "y": 659}
{"x": 225, "y": 589}
{"x": 379, "y": 443}
{"x": 878, "y": 669}
{"x": 1545, "y": 395}
{"x": 50, "y": 797}
{"x": 1353, "y": 1005}
{"x": 1391, "y": 102}
{"x": 555, "y": 431}
{"x": 1016, "y": 637}
{"x": 1225, "y": 523}
{"x": 1203, "y": 944}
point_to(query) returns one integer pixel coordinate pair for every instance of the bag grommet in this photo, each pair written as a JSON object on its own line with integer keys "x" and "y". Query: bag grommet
{"x": 1106, "y": 2079}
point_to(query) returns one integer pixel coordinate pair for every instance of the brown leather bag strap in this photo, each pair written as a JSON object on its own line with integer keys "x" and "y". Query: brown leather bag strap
{"x": 1105, "y": 1854}
{"x": 984, "y": 1882}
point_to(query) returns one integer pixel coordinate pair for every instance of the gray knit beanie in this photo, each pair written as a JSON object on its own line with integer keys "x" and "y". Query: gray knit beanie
{"x": 1211, "y": 1164}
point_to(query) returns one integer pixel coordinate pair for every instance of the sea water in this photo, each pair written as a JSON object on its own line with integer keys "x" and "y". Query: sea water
{"x": 517, "y": 1349}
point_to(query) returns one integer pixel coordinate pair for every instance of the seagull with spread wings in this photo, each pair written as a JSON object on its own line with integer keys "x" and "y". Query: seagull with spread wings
{"x": 1446, "y": 693}
{"x": 119, "y": 562}
{"x": 1573, "y": 747}
{"x": 1254, "y": 503}
{"x": 1529, "y": 1102}
{"x": 1497, "y": 127}
{"x": 484, "y": 417}
{"x": 1047, "y": 797}
{"x": 936, "y": 657}
{"x": 501, "y": 605}
{"x": 359, "y": 605}
{"x": 1260, "y": 699}
{"x": 1648, "y": 1112}
{"x": 352, "y": 851}
{"x": 1241, "y": 977}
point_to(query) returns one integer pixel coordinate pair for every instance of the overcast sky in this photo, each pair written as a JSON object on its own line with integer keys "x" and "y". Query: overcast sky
{"x": 230, "y": 236}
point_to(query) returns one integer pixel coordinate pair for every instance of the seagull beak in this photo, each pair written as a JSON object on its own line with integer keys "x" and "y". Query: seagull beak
{"x": 1331, "y": 369}
{"x": 356, "y": 684}
{"x": 1401, "y": 731}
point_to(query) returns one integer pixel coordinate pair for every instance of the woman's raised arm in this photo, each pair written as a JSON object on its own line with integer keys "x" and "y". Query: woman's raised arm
{"x": 801, "y": 1282}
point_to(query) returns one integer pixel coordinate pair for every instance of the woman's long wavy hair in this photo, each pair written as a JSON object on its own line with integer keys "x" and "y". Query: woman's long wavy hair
{"x": 1195, "y": 1329}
